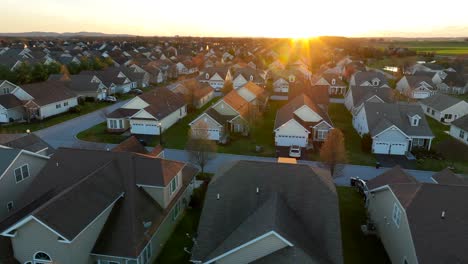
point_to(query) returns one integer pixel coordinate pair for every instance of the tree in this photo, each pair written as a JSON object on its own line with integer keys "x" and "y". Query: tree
{"x": 366, "y": 143}
{"x": 199, "y": 147}
{"x": 39, "y": 73}
{"x": 333, "y": 150}
{"x": 6, "y": 74}
{"x": 23, "y": 73}
{"x": 53, "y": 68}
{"x": 74, "y": 68}
{"x": 227, "y": 87}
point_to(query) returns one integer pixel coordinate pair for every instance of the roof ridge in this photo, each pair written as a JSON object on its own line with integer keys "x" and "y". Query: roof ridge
{"x": 410, "y": 200}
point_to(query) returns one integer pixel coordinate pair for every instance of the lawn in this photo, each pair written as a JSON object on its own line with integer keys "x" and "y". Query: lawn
{"x": 357, "y": 248}
{"x": 98, "y": 133}
{"x": 35, "y": 125}
{"x": 439, "y": 47}
{"x": 461, "y": 165}
{"x": 342, "y": 120}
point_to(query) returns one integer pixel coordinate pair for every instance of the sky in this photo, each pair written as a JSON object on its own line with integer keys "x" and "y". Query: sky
{"x": 239, "y": 18}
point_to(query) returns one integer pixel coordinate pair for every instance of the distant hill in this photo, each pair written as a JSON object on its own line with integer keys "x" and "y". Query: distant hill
{"x": 65, "y": 34}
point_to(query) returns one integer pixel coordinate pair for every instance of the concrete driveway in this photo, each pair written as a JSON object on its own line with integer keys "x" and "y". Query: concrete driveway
{"x": 393, "y": 160}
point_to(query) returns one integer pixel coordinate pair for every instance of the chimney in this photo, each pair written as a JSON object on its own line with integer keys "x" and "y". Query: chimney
{"x": 442, "y": 215}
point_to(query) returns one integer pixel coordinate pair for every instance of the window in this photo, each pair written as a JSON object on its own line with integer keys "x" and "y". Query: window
{"x": 113, "y": 124}
{"x": 415, "y": 121}
{"x": 173, "y": 184}
{"x": 42, "y": 258}
{"x": 120, "y": 123}
{"x": 176, "y": 211}
{"x": 418, "y": 142}
{"x": 428, "y": 110}
{"x": 396, "y": 216}
{"x": 321, "y": 134}
{"x": 207, "y": 76}
{"x": 333, "y": 82}
{"x": 448, "y": 116}
{"x": 432, "y": 112}
{"x": 21, "y": 173}
{"x": 57, "y": 106}
{"x": 462, "y": 134}
{"x": 65, "y": 104}
{"x": 6, "y": 90}
{"x": 10, "y": 206}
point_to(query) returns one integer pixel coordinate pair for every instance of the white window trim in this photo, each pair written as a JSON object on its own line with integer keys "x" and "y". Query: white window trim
{"x": 396, "y": 215}
{"x": 21, "y": 170}
{"x": 12, "y": 206}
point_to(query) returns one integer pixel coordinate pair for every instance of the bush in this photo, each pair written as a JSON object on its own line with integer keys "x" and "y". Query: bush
{"x": 366, "y": 143}
{"x": 423, "y": 153}
{"x": 75, "y": 109}
{"x": 198, "y": 196}
{"x": 81, "y": 101}
{"x": 90, "y": 99}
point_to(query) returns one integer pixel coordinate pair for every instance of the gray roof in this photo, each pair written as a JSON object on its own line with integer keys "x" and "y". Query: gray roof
{"x": 8, "y": 155}
{"x": 296, "y": 201}
{"x": 424, "y": 204}
{"x": 10, "y": 101}
{"x": 94, "y": 183}
{"x": 391, "y": 176}
{"x": 440, "y": 101}
{"x": 454, "y": 79}
{"x": 362, "y": 93}
{"x": 221, "y": 119}
{"x": 381, "y": 116}
{"x": 82, "y": 83}
{"x": 30, "y": 142}
{"x": 247, "y": 72}
{"x": 461, "y": 122}
{"x": 49, "y": 92}
{"x": 446, "y": 176}
{"x": 414, "y": 81}
{"x": 361, "y": 77}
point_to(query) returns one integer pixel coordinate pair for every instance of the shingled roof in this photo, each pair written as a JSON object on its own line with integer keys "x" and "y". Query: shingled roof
{"x": 297, "y": 201}
{"x": 440, "y": 101}
{"x": 10, "y": 101}
{"x": 162, "y": 102}
{"x": 461, "y": 122}
{"x": 48, "y": 92}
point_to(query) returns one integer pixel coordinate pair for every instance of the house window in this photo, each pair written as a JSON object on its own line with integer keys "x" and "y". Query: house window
{"x": 432, "y": 112}
{"x": 120, "y": 123}
{"x": 65, "y": 104}
{"x": 113, "y": 124}
{"x": 396, "y": 216}
{"x": 428, "y": 110}
{"x": 21, "y": 173}
{"x": 321, "y": 134}
{"x": 6, "y": 90}
{"x": 418, "y": 142}
{"x": 57, "y": 106}
{"x": 207, "y": 76}
{"x": 173, "y": 185}
{"x": 251, "y": 77}
{"x": 415, "y": 121}
{"x": 333, "y": 82}
{"x": 176, "y": 211}
{"x": 448, "y": 116}
{"x": 41, "y": 257}
{"x": 462, "y": 134}
{"x": 10, "y": 206}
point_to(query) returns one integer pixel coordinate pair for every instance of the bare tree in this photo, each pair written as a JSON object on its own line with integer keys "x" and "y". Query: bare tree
{"x": 227, "y": 87}
{"x": 200, "y": 148}
{"x": 333, "y": 150}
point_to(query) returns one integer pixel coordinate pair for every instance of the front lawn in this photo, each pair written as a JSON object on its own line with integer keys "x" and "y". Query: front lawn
{"x": 357, "y": 248}
{"x": 98, "y": 133}
{"x": 342, "y": 120}
{"x": 35, "y": 125}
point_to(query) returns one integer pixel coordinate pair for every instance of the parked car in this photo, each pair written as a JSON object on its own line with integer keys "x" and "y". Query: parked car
{"x": 111, "y": 99}
{"x": 359, "y": 184}
{"x": 136, "y": 91}
{"x": 295, "y": 151}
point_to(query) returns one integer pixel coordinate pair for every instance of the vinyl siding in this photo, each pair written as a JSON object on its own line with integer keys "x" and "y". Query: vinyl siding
{"x": 135, "y": 103}
{"x": 224, "y": 109}
{"x": 455, "y": 133}
{"x": 17, "y": 113}
{"x": 392, "y": 135}
{"x": 51, "y": 110}
{"x": 348, "y": 102}
{"x": 396, "y": 240}
{"x": 12, "y": 191}
{"x": 34, "y": 237}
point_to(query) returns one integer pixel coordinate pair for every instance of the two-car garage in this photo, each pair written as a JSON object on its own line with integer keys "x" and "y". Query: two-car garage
{"x": 380, "y": 147}
{"x": 289, "y": 140}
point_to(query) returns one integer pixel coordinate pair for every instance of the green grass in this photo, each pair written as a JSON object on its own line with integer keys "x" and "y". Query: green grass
{"x": 357, "y": 248}
{"x": 342, "y": 120}
{"x": 35, "y": 125}
{"x": 439, "y": 47}
{"x": 98, "y": 133}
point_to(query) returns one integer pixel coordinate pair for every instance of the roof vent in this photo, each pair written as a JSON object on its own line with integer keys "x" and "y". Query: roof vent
{"x": 147, "y": 224}
{"x": 217, "y": 196}
{"x": 442, "y": 215}
{"x": 57, "y": 164}
{"x": 258, "y": 190}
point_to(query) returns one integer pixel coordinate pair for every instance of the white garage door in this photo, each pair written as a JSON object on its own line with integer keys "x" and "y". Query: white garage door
{"x": 398, "y": 149}
{"x": 381, "y": 148}
{"x": 286, "y": 141}
{"x": 213, "y": 134}
{"x": 144, "y": 129}
{"x": 421, "y": 95}
{"x": 3, "y": 118}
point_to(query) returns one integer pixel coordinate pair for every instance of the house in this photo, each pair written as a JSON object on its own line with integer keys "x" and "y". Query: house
{"x": 137, "y": 75}
{"x": 195, "y": 92}
{"x": 459, "y": 129}
{"x": 301, "y": 122}
{"x": 186, "y": 67}
{"x": 114, "y": 79}
{"x": 242, "y": 76}
{"x": 453, "y": 83}
{"x": 333, "y": 81}
{"x": 87, "y": 86}
{"x": 131, "y": 144}
{"x": 232, "y": 113}
{"x": 446, "y": 176}
{"x": 416, "y": 86}
{"x": 413, "y": 218}
{"x": 125, "y": 213}
{"x": 29, "y": 142}
{"x": 277, "y": 213}
{"x": 18, "y": 168}
{"x": 356, "y": 96}
{"x": 435, "y": 77}
{"x": 149, "y": 114}
{"x": 395, "y": 128}
{"x": 369, "y": 79}
{"x": 11, "y": 109}
{"x": 46, "y": 99}
{"x": 426, "y": 67}
{"x": 215, "y": 76}
{"x": 444, "y": 108}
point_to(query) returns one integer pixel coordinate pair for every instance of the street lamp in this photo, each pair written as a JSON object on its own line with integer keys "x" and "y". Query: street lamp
{"x": 160, "y": 132}
{"x": 28, "y": 131}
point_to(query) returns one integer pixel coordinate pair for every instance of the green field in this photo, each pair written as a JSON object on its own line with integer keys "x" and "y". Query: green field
{"x": 439, "y": 47}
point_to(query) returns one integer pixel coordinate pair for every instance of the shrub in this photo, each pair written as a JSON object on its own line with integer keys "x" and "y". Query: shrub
{"x": 81, "y": 101}
{"x": 75, "y": 109}
{"x": 366, "y": 143}
{"x": 423, "y": 153}
{"x": 90, "y": 99}
{"x": 198, "y": 196}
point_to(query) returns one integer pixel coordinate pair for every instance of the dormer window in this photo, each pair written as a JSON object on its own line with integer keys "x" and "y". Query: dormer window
{"x": 414, "y": 119}
{"x": 207, "y": 76}
{"x": 291, "y": 78}
{"x": 375, "y": 82}
{"x": 333, "y": 82}
{"x": 173, "y": 184}
{"x": 251, "y": 77}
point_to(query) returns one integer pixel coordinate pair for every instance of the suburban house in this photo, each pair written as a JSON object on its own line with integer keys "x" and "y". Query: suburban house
{"x": 136, "y": 75}
{"x": 242, "y": 76}
{"x": 232, "y": 113}
{"x": 277, "y": 213}
{"x": 301, "y": 122}
{"x": 129, "y": 204}
{"x": 356, "y": 96}
{"x": 444, "y": 108}
{"x": 215, "y": 76}
{"x": 427, "y": 67}
{"x": 369, "y": 79}
{"x": 29, "y": 142}
{"x": 195, "y": 92}
{"x": 149, "y": 114}
{"x": 114, "y": 79}
{"x": 435, "y": 77}
{"x": 395, "y": 128}
{"x": 453, "y": 83}
{"x": 459, "y": 129}
{"x": 87, "y": 86}
{"x": 7, "y": 87}
{"x": 11, "y": 108}
{"x": 416, "y": 86}
{"x": 186, "y": 67}
{"x": 18, "y": 168}
{"x": 46, "y": 99}
{"x": 333, "y": 81}
{"x": 413, "y": 219}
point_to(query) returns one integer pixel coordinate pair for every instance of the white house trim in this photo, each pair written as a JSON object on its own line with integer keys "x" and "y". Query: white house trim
{"x": 222, "y": 100}
{"x": 204, "y": 114}
{"x": 249, "y": 243}
{"x": 150, "y": 186}
{"x": 292, "y": 120}
{"x": 388, "y": 128}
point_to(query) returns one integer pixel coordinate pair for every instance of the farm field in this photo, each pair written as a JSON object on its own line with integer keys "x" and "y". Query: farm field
{"x": 439, "y": 47}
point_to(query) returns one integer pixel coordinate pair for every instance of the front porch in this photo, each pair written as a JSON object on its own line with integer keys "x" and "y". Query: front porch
{"x": 420, "y": 142}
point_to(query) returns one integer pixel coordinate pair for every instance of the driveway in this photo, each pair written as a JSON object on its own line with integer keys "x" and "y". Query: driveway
{"x": 284, "y": 152}
{"x": 393, "y": 160}
{"x": 64, "y": 134}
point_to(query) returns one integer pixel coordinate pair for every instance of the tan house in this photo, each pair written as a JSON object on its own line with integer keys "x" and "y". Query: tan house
{"x": 110, "y": 207}
{"x": 420, "y": 222}
{"x": 195, "y": 92}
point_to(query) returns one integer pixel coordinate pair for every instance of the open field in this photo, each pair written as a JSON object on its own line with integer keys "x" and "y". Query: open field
{"x": 439, "y": 47}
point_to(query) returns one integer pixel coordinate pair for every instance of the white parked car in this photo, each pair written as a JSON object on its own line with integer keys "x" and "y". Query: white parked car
{"x": 295, "y": 151}
{"x": 111, "y": 99}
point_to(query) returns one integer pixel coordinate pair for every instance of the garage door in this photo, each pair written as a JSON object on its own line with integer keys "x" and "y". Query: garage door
{"x": 381, "y": 148}
{"x": 213, "y": 134}
{"x": 398, "y": 149}
{"x": 3, "y": 118}
{"x": 286, "y": 141}
{"x": 144, "y": 129}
